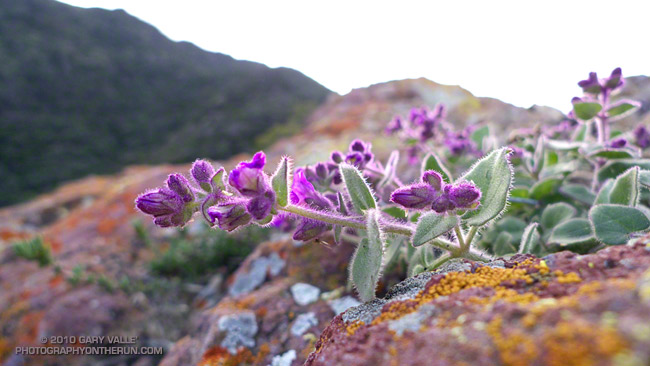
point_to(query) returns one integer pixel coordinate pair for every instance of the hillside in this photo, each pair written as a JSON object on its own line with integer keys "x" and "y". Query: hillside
{"x": 89, "y": 91}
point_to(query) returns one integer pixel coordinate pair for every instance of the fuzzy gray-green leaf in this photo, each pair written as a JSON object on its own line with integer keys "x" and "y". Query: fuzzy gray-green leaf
{"x": 431, "y": 225}
{"x": 625, "y": 190}
{"x": 281, "y": 181}
{"x": 368, "y": 259}
{"x": 493, "y": 176}
{"x": 530, "y": 240}
{"x": 359, "y": 191}
{"x": 557, "y": 213}
{"x": 571, "y": 232}
{"x": 613, "y": 224}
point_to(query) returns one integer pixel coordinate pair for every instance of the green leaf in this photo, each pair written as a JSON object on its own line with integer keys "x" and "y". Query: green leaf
{"x": 393, "y": 246}
{"x": 368, "y": 259}
{"x": 557, "y": 213}
{"x": 530, "y": 240}
{"x": 395, "y": 212}
{"x": 281, "y": 181}
{"x": 432, "y": 162}
{"x": 625, "y": 190}
{"x": 359, "y": 191}
{"x": 431, "y": 225}
{"x": 562, "y": 145}
{"x": 572, "y": 232}
{"x": 539, "y": 155}
{"x": 613, "y": 154}
{"x": 337, "y": 234}
{"x": 613, "y": 224}
{"x": 503, "y": 244}
{"x": 603, "y": 194}
{"x": 644, "y": 178}
{"x": 493, "y": 176}
{"x": 622, "y": 109}
{"x": 614, "y": 168}
{"x": 545, "y": 189}
{"x": 479, "y": 135}
{"x": 586, "y": 110}
{"x": 390, "y": 170}
{"x": 579, "y": 193}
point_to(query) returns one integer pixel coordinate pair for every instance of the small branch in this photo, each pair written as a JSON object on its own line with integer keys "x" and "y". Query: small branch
{"x": 460, "y": 238}
{"x": 470, "y": 236}
{"x": 440, "y": 261}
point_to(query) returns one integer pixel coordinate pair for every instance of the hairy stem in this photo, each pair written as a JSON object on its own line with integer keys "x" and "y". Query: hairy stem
{"x": 460, "y": 238}
{"x": 356, "y": 223}
{"x": 440, "y": 261}
{"x": 470, "y": 236}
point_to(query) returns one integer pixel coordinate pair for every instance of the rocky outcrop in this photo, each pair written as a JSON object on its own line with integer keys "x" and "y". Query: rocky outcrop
{"x": 563, "y": 309}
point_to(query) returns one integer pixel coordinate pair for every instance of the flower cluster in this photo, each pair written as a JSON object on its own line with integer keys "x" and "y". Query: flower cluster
{"x": 424, "y": 125}
{"x": 325, "y": 175}
{"x": 595, "y": 87}
{"x": 434, "y": 194}
{"x": 248, "y": 198}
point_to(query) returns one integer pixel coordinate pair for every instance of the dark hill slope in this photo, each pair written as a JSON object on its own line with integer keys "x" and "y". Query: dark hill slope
{"x": 89, "y": 91}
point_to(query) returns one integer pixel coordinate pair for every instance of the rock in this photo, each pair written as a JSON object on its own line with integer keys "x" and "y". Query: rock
{"x": 240, "y": 330}
{"x": 342, "y": 304}
{"x": 303, "y": 322}
{"x": 247, "y": 282}
{"x": 509, "y": 312}
{"x": 285, "y": 359}
{"x": 304, "y": 293}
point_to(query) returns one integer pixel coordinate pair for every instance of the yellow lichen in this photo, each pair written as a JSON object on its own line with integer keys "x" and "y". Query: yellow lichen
{"x": 354, "y": 326}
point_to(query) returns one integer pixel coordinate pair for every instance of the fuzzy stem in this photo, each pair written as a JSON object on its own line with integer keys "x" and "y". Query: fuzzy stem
{"x": 470, "y": 236}
{"x": 460, "y": 238}
{"x": 345, "y": 221}
{"x": 440, "y": 261}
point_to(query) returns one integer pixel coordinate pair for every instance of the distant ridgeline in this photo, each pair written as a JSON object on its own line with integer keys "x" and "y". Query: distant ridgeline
{"x": 89, "y": 91}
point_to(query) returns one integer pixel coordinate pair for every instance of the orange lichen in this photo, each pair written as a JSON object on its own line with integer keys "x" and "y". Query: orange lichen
{"x": 578, "y": 343}
{"x": 515, "y": 348}
{"x": 505, "y": 294}
{"x": 219, "y": 356}
{"x": 570, "y": 277}
{"x": 354, "y": 326}
{"x": 454, "y": 282}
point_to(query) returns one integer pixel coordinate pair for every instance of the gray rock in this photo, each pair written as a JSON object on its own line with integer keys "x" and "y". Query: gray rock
{"x": 302, "y": 323}
{"x": 247, "y": 282}
{"x": 342, "y": 304}
{"x": 304, "y": 293}
{"x": 284, "y": 359}
{"x": 412, "y": 322}
{"x": 240, "y": 330}
{"x": 365, "y": 312}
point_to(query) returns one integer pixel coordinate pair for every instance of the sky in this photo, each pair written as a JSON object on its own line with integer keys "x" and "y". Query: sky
{"x": 522, "y": 52}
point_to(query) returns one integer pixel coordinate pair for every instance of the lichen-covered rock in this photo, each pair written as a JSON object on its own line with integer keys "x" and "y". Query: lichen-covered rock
{"x": 564, "y": 309}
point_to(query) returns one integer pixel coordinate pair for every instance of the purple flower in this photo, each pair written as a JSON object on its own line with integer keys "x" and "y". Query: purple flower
{"x": 304, "y": 193}
{"x": 248, "y": 177}
{"x": 181, "y": 186}
{"x": 464, "y": 195}
{"x": 642, "y": 136}
{"x": 591, "y": 84}
{"x": 355, "y": 158}
{"x": 260, "y": 207}
{"x": 433, "y": 178}
{"x": 394, "y": 125}
{"x": 202, "y": 172}
{"x": 166, "y": 206}
{"x": 615, "y": 80}
{"x": 360, "y": 146}
{"x": 337, "y": 157}
{"x": 618, "y": 143}
{"x": 416, "y": 196}
{"x": 309, "y": 229}
{"x": 230, "y": 215}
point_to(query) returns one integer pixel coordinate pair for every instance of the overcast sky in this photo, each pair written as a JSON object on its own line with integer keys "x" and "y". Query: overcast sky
{"x": 516, "y": 51}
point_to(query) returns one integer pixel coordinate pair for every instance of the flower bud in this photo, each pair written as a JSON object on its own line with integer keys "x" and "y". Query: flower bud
{"x": 309, "y": 229}
{"x": 248, "y": 177}
{"x": 359, "y": 146}
{"x": 442, "y": 204}
{"x": 416, "y": 196}
{"x": 230, "y": 215}
{"x": 591, "y": 84}
{"x": 260, "y": 207}
{"x": 337, "y": 157}
{"x": 180, "y": 185}
{"x": 618, "y": 143}
{"x": 433, "y": 178}
{"x": 321, "y": 171}
{"x": 394, "y": 125}
{"x": 642, "y": 136}
{"x": 464, "y": 195}
{"x": 615, "y": 80}
{"x": 202, "y": 172}
{"x": 166, "y": 206}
